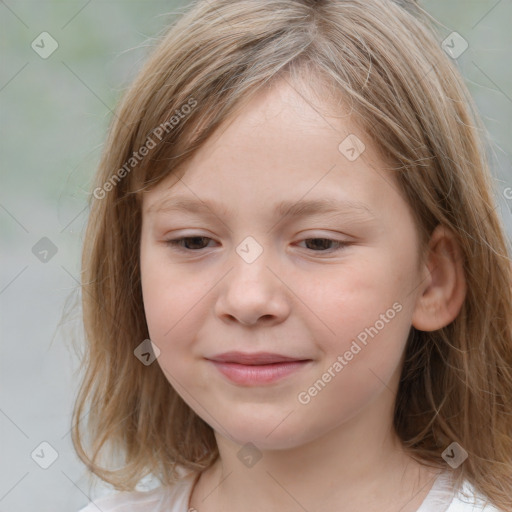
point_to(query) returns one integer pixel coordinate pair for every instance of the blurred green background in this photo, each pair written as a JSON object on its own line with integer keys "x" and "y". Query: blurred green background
{"x": 54, "y": 116}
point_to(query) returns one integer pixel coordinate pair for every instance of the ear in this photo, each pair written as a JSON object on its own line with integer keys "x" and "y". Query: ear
{"x": 444, "y": 288}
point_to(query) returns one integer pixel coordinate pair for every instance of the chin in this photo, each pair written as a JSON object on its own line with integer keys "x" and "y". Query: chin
{"x": 267, "y": 434}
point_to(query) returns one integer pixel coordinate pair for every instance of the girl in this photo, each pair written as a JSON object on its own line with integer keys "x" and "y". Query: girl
{"x": 297, "y": 290}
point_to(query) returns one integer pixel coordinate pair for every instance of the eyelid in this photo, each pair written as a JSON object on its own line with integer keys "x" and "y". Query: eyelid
{"x": 174, "y": 243}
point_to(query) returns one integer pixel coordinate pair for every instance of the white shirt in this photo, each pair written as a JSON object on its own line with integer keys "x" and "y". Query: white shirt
{"x": 441, "y": 498}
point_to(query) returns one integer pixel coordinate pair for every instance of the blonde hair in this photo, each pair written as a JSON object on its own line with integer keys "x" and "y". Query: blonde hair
{"x": 382, "y": 57}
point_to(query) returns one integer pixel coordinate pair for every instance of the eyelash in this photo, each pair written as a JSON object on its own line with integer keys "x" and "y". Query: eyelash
{"x": 175, "y": 244}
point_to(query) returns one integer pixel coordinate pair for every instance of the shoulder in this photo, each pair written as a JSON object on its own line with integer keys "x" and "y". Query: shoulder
{"x": 467, "y": 499}
{"x": 172, "y": 498}
{"x": 445, "y": 497}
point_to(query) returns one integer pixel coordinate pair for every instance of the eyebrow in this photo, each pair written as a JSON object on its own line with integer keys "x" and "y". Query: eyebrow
{"x": 299, "y": 208}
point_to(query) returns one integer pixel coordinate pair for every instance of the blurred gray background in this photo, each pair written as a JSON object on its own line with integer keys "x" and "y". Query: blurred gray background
{"x": 55, "y": 109}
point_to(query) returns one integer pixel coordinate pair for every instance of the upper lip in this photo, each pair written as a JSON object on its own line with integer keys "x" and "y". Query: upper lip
{"x": 253, "y": 358}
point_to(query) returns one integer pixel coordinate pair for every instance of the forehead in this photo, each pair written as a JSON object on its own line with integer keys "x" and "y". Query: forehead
{"x": 282, "y": 151}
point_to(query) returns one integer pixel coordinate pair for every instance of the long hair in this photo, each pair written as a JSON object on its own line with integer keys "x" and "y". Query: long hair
{"x": 383, "y": 59}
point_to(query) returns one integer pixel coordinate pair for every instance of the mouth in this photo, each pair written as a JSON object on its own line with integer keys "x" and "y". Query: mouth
{"x": 257, "y": 368}
{"x": 257, "y": 358}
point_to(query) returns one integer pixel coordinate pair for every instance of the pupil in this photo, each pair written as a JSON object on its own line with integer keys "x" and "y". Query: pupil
{"x": 323, "y": 242}
{"x": 195, "y": 239}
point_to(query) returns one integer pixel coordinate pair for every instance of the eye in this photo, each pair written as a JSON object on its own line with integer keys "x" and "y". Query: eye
{"x": 196, "y": 240}
{"x": 323, "y": 243}
{"x": 197, "y": 243}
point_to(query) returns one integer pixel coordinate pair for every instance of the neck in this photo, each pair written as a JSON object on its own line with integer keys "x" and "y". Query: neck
{"x": 359, "y": 465}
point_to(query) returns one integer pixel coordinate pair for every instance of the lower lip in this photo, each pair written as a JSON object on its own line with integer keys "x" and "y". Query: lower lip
{"x": 258, "y": 374}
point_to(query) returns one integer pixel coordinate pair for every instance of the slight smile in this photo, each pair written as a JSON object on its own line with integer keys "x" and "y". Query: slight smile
{"x": 257, "y": 368}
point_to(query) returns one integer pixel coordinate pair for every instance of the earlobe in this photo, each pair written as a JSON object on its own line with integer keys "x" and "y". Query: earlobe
{"x": 440, "y": 299}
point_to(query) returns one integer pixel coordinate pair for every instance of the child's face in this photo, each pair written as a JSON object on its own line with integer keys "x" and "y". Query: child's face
{"x": 302, "y": 297}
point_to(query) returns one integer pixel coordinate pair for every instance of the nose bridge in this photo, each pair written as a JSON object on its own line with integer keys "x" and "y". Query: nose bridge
{"x": 251, "y": 290}
{"x": 251, "y": 261}
{"x": 250, "y": 250}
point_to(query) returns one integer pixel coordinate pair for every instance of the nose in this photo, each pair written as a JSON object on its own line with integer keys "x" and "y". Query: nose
{"x": 253, "y": 292}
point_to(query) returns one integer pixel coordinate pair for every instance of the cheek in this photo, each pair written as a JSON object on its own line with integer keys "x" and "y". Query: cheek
{"x": 362, "y": 334}
{"x": 169, "y": 299}
{"x": 170, "y": 310}
{"x": 355, "y": 294}
{"x": 364, "y": 314}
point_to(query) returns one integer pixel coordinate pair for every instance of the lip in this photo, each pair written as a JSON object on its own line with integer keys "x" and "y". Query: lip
{"x": 255, "y": 358}
{"x": 257, "y": 368}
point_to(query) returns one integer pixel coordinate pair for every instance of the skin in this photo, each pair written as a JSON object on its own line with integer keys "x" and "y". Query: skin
{"x": 298, "y": 298}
